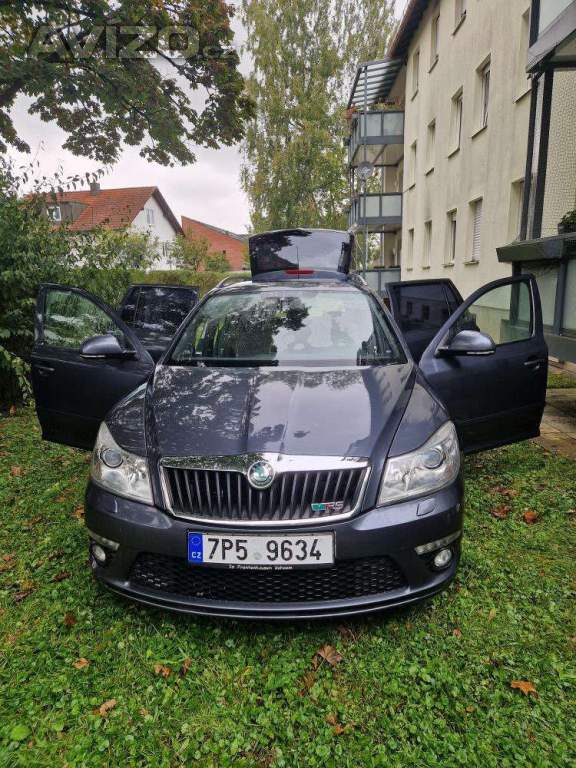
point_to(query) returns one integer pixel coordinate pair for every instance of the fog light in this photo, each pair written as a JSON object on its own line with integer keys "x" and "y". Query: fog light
{"x": 443, "y": 559}
{"x": 99, "y": 554}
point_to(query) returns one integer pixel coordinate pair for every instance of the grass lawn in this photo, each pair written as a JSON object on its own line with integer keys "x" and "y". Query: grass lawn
{"x": 559, "y": 380}
{"x": 87, "y": 679}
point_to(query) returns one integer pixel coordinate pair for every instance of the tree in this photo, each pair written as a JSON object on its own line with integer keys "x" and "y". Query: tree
{"x": 34, "y": 251}
{"x": 188, "y": 253}
{"x": 75, "y": 60}
{"x": 304, "y": 54}
{"x": 217, "y": 262}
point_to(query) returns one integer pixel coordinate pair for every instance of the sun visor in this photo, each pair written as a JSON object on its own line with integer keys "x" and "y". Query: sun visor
{"x": 289, "y": 254}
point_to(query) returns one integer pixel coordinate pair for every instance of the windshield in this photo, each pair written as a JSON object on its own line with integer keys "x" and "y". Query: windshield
{"x": 289, "y": 326}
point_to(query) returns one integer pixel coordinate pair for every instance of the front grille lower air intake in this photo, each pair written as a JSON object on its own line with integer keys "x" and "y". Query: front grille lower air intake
{"x": 303, "y": 489}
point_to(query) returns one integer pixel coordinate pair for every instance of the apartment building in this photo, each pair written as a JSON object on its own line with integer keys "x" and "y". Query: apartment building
{"x": 467, "y": 108}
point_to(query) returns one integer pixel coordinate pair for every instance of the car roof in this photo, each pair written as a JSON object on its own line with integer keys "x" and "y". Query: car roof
{"x": 249, "y": 286}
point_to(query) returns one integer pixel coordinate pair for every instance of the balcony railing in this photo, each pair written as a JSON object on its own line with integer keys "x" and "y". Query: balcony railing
{"x": 378, "y": 212}
{"x": 375, "y": 131}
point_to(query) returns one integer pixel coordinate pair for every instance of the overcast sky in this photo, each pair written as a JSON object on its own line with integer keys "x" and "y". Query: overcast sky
{"x": 209, "y": 190}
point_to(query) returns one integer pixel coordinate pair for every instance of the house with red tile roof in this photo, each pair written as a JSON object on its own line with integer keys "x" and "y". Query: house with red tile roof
{"x": 139, "y": 209}
{"x": 233, "y": 246}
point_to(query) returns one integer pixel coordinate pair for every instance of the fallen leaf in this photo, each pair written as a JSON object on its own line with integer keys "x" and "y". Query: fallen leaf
{"x": 78, "y": 513}
{"x": 144, "y": 712}
{"x": 61, "y": 576}
{"x": 530, "y": 517}
{"x": 12, "y": 410}
{"x": 186, "y": 664}
{"x": 6, "y": 567}
{"x": 525, "y": 686}
{"x": 469, "y": 709}
{"x": 331, "y": 719}
{"x": 61, "y": 499}
{"x": 104, "y": 708}
{"x": 33, "y": 521}
{"x": 491, "y": 614}
{"x": 457, "y": 632}
{"x": 8, "y": 558}
{"x": 509, "y": 493}
{"x": 339, "y": 729}
{"x": 346, "y": 633}
{"x": 81, "y": 663}
{"x": 329, "y": 654}
{"x": 501, "y": 511}
{"x": 16, "y": 471}
{"x": 70, "y": 619}
{"x": 160, "y": 669}
{"x": 19, "y": 596}
{"x": 307, "y": 682}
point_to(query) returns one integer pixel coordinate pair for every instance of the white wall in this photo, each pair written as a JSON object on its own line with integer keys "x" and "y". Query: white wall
{"x": 161, "y": 229}
{"x": 489, "y": 161}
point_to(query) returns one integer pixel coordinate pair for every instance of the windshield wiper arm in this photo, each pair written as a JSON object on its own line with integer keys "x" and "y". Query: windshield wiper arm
{"x": 225, "y": 361}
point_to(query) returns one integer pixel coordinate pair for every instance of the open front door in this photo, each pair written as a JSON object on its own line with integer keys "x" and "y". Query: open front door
{"x": 489, "y": 364}
{"x": 421, "y": 307}
{"x": 84, "y": 360}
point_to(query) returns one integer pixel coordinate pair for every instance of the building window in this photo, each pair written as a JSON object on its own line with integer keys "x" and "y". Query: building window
{"x": 523, "y": 81}
{"x": 457, "y": 116}
{"x": 410, "y": 250}
{"x": 149, "y": 216}
{"x": 54, "y": 212}
{"x": 451, "y": 233}
{"x": 516, "y": 203}
{"x": 434, "y": 47}
{"x": 476, "y": 212}
{"x": 415, "y": 72}
{"x": 484, "y": 75}
{"x": 413, "y": 163}
{"x": 460, "y": 14}
{"x": 431, "y": 146}
{"x": 427, "y": 252}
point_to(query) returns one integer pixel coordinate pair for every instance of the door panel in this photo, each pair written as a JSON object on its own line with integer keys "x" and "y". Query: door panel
{"x": 421, "y": 307}
{"x": 496, "y": 398}
{"x": 73, "y": 394}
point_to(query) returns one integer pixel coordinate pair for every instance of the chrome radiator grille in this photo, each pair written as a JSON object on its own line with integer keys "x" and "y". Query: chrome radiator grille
{"x": 226, "y": 495}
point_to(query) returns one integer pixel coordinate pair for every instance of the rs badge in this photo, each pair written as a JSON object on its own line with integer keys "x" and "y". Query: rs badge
{"x": 328, "y": 506}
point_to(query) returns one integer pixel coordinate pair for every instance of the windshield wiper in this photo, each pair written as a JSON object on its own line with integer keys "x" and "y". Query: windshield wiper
{"x": 230, "y": 362}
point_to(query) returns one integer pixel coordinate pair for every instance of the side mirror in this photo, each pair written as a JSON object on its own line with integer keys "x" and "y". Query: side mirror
{"x": 103, "y": 347}
{"x": 469, "y": 343}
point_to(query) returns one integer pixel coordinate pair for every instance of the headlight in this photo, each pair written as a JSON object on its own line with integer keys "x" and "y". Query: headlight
{"x": 431, "y": 467}
{"x": 119, "y": 471}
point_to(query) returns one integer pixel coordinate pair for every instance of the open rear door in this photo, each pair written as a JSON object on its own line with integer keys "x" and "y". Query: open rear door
{"x": 74, "y": 391}
{"x": 420, "y": 308}
{"x": 489, "y": 364}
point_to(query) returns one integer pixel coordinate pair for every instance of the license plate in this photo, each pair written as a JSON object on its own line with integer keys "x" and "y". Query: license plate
{"x": 260, "y": 551}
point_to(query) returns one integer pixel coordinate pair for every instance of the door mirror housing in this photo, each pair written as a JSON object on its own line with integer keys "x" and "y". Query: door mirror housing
{"x": 469, "y": 343}
{"x": 106, "y": 346}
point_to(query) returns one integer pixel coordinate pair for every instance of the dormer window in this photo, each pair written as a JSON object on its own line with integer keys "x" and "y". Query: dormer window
{"x": 54, "y": 212}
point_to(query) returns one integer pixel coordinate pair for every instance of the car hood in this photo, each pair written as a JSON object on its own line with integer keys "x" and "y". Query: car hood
{"x": 198, "y": 411}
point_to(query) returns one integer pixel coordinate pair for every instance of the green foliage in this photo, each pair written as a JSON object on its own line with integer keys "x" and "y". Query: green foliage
{"x": 204, "y": 281}
{"x": 560, "y": 380}
{"x": 103, "y": 101}
{"x": 568, "y": 222}
{"x": 427, "y": 686}
{"x": 217, "y": 262}
{"x": 187, "y": 253}
{"x": 33, "y": 251}
{"x": 304, "y": 54}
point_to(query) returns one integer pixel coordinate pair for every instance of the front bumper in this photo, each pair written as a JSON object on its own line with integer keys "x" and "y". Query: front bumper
{"x": 388, "y": 534}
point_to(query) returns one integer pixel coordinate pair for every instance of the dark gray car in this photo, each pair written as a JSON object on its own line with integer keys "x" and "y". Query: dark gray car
{"x": 286, "y": 457}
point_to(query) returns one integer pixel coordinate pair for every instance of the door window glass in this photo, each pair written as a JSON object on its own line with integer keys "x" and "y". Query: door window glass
{"x": 162, "y": 310}
{"x": 547, "y": 280}
{"x": 504, "y": 313}
{"x": 70, "y": 319}
{"x": 422, "y": 307}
